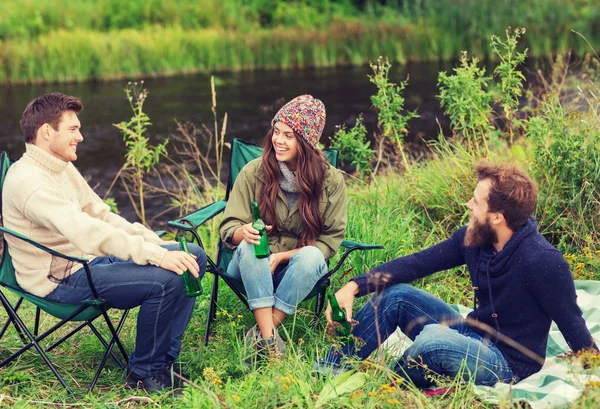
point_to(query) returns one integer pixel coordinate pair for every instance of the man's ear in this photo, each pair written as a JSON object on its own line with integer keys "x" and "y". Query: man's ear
{"x": 498, "y": 219}
{"x": 45, "y": 131}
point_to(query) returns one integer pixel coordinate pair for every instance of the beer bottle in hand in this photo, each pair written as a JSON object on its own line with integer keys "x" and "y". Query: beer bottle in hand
{"x": 338, "y": 315}
{"x": 193, "y": 286}
{"x": 262, "y": 249}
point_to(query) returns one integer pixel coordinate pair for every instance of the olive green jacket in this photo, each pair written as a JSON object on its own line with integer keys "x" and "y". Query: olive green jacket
{"x": 332, "y": 208}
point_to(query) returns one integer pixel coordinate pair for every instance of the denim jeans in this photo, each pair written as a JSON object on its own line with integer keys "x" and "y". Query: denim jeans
{"x": 443, "y": 342}
{"x": 165, "y": 309}
{"x": 283, "y": 290}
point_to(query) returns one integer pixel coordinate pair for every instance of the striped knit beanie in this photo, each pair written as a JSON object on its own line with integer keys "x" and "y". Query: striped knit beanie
{"x": 305, "y": 115}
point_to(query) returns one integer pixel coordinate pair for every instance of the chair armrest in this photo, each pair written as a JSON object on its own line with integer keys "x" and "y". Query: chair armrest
{"x": 355, "y": 245}
{"x": 193, "y": 220}
{"x": 350, "y": 247}
{"x": 42, "y": 247}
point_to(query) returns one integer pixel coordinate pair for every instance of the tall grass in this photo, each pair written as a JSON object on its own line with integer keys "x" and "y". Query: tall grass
{"x": 60, "y": 40}
{"x": 80, "y": 55}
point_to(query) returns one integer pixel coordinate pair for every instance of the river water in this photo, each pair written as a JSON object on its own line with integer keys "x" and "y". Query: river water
{"x": 249, "y": 98}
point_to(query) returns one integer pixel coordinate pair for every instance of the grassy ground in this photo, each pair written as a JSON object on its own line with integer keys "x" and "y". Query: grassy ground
{"x": 404, "y": 212}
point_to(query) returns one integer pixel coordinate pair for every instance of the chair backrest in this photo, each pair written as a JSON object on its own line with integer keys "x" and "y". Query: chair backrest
{"x": 7, "y": 271}
{"x": 243, "y": 152}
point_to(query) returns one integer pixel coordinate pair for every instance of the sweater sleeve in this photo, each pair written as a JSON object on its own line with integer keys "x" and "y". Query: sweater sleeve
{"x": 46, "y": 207}
{"x": 442, "y": 256}
{"x": 335, "y": 219}
{"x": 93, "y": 205}
{"x": 238, "y": 210}
{"x": 552, "y": 285}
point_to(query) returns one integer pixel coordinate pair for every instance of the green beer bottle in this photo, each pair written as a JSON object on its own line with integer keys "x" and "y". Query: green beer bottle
{"x": 338, "y": 315}
{"x": 193, "y": 287}
{"x": 262, "y": 249}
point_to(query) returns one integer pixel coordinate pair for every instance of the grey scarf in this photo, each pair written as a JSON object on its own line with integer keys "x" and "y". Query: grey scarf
{"x": 289, "y": 185}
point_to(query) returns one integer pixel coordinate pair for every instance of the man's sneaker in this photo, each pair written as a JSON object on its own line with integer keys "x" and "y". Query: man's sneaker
{"x": 158, "y": 381}
{"x": 328, "y": 368}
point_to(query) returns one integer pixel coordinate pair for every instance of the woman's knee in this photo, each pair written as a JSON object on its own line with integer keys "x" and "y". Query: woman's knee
{"x": 245, "y": 252}
{"x": 311, "y": 259}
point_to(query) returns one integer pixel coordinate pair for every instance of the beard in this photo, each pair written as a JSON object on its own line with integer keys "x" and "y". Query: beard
{"x": 480, "y": 235}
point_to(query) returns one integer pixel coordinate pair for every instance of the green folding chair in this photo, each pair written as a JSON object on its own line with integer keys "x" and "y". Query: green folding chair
{"x": 84, "y": 313}
{"x": 241, "y": 153}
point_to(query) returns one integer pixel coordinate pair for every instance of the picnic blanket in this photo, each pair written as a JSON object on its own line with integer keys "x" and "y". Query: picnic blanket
{"x": 560, "y": 381}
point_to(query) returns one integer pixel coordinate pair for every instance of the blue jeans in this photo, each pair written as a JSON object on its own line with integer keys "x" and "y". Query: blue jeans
{"x": 443, "y": 342}
{"x": 165, "y": 309}
{"x": 286, "y": 288}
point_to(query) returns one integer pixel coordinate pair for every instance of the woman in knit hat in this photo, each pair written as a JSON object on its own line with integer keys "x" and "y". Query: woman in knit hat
{"x": 302, "y": 200}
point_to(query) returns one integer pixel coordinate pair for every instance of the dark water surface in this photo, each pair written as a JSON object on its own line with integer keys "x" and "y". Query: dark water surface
{"x": 250, "y": 99}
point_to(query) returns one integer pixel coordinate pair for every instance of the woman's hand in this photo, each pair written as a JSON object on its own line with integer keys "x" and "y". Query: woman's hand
{"x": 345, "y": 298}
{"x": 249, "y": 234}
{"x": 275, "y": 259}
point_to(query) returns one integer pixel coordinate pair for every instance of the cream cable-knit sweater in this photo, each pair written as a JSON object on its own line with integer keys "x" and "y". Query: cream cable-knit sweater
{"x": 49, "y": 201}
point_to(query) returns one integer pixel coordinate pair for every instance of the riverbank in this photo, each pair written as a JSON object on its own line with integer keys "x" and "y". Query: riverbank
{"x": 56, "y": 41}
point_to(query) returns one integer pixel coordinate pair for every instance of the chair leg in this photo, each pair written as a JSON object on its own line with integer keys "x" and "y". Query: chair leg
{"x": 9, "y": 320}
{"x": 32, "y": 342}
{"x": 109, "y": 347}
{"x": 36, "y": 328}
{"x": 212, "y": 309}
{"x": 69, "y": 335}
{"x": 106, "y": 345}
{"x": 115, "y": 333}
{"x": 319, "y": 304}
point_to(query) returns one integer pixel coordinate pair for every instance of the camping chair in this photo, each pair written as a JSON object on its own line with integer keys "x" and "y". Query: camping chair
{"x": 241, "y": 153}
{"x": 84, "y": 312}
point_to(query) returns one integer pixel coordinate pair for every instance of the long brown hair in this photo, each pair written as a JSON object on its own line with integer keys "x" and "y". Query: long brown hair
{"x": 311, "y": 166}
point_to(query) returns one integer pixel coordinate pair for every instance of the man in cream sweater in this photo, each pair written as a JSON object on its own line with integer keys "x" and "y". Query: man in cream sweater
{"x": 46, "y": 198}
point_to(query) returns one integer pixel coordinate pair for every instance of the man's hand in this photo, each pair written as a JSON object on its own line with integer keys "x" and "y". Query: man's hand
{"x": 345, "y": 298}
{"x": 179, "y": 261}
{"x": 275, "y": 259}
{"x": 250, "y": 234}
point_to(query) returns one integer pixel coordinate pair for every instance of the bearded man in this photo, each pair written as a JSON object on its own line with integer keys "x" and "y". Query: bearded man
{"x": 520, "y": 284}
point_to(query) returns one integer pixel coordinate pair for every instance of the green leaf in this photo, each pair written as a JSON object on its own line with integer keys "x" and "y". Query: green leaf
{"x": 341, "y": 384}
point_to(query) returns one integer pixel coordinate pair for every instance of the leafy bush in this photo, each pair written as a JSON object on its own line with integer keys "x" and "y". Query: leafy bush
{"x": 354, "y": 147}
{"x": 466, "y": 100}
{"x": 511, "y": 80}
{"x": 389, "y": 101}
{"x": 567, "y": 166}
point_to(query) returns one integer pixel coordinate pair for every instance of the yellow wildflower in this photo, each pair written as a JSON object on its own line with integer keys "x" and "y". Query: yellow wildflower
{"x": 387, "y": 388}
